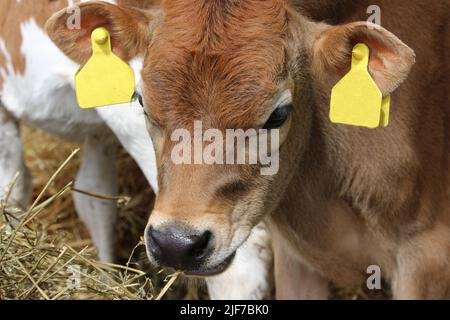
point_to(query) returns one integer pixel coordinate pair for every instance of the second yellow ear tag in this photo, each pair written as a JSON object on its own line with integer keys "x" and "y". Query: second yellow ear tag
{"x": 356, "y": 99}
{"x": 105, "y": 79}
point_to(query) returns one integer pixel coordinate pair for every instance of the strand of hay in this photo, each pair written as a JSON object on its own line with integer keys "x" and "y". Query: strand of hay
{"x": 41, "y": 262}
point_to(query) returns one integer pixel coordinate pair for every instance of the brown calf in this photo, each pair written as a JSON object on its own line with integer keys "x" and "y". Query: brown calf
{"x": 345, "y": 197}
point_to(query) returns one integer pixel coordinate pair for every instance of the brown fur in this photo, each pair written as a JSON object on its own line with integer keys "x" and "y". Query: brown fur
{"x": 345, "y": 197}
{"x": 129, "y": 30}
{"x": 217, "y": 58}
{"x": 385, "y": 190}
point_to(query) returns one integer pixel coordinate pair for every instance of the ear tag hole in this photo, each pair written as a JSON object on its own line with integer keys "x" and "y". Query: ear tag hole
{"x": 105, "y": 79}
{"x": 356, "y": 99}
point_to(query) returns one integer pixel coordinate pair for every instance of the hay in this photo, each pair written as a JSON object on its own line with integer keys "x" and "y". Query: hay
{"x": 40, "y": 262}
{"x": 41, "y": 255}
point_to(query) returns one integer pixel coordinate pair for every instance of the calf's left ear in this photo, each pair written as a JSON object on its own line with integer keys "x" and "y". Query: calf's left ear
{"x": 129, "y": 29}
{"x": 390, "y": 60}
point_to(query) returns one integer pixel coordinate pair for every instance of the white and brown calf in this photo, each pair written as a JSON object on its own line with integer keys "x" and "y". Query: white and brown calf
{"x": 37, "y": 89}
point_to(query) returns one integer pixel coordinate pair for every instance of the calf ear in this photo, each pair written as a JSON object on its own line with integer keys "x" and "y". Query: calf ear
{"x": 129, "y": 29}
{"x": 390, "y": 59}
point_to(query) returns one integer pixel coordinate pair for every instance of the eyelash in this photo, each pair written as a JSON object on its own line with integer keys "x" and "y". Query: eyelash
{"x": 139, "y": 99}
{"x": 278, "y": 116}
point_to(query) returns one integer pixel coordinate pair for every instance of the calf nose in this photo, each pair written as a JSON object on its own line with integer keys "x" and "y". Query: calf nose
{"x": 178, "y": 248}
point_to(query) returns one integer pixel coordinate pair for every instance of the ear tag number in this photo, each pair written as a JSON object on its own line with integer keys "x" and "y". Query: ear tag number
{"x": 105, "y": 79}
{"x": 356, "y": 99}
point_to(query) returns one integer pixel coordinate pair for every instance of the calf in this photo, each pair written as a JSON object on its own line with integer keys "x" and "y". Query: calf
{"x": 36, "y": 88}
{"x": 344, "y": 197}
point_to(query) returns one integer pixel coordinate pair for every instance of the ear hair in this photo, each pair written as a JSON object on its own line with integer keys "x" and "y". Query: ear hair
{"x": 129, "y": 29}
{"x": 390, "y": 59}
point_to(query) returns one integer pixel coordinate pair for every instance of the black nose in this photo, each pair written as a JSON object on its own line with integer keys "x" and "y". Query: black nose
{"x": 178, "y": 248}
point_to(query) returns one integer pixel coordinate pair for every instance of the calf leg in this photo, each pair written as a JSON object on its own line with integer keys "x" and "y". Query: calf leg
{"x": 98, "y": 174}
{"x": 12, "y": 162}
{"x": 252, "y": 266}
{"x": 293, "y": 279}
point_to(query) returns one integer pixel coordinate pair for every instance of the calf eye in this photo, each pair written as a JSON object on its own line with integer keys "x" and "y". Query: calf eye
{"x": 138, "y": 97}
{"x": 278, "y": 116}
{"x": 140, "y": 101}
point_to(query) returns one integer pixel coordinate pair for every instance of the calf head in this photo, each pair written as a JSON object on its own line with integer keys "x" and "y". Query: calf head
{"x": 231, "y": 65}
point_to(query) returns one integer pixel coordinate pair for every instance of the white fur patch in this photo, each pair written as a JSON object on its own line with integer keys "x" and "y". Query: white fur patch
{"x": 44, "y": 96}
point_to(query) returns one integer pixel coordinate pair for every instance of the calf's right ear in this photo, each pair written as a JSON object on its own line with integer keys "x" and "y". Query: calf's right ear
{"x": 129, "y": 29}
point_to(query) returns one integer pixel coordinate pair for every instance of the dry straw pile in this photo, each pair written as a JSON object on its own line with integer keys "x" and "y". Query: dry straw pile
{"x": 45, "y": 251}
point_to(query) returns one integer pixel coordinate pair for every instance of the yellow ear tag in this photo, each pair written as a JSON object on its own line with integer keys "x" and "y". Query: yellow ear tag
{"x": 356, "y": 99}
{"x": 105, "y": 79}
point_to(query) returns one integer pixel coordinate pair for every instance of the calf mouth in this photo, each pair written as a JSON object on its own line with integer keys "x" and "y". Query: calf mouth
{"x": 214, "y": 270}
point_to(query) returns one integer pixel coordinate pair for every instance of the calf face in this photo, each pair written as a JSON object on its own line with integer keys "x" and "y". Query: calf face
{"x": 231, "y": 65}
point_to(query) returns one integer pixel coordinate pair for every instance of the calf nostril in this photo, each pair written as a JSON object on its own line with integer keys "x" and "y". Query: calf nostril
{"x": 200, "y": 249}
{"x": 154, "y": 245}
